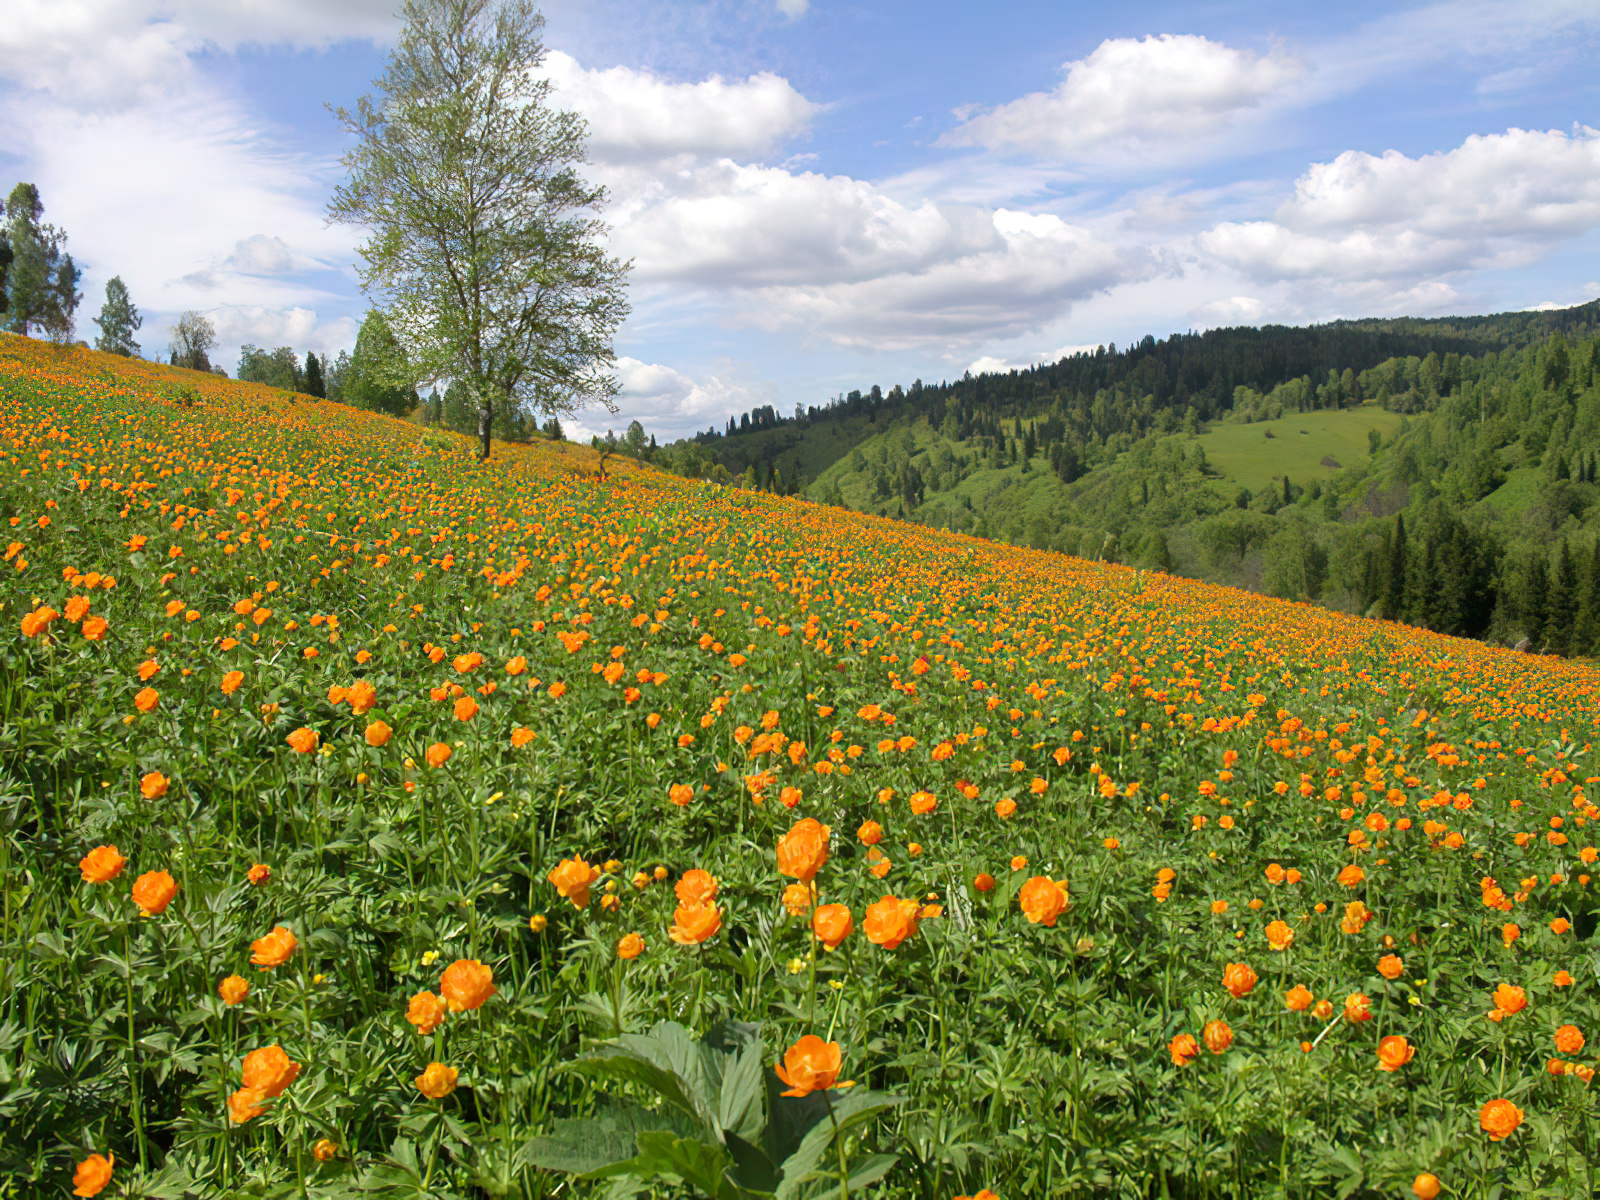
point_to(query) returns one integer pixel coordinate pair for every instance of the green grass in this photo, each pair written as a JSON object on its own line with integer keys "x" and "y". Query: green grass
{"x": 1299, "y": 443}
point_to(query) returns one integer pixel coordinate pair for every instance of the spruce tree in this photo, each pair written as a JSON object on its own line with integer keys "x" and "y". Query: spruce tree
{"x": 117, "y": 320}
{"x": 1561, "y": 610}
{"x": 313, "y": 377}
{"x": 1394, "y": 582}
{"x": 1533, "y": 603}
{"x": 1586, "y": 630}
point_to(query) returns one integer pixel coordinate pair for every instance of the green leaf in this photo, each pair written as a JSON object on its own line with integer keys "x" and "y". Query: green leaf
{"x": 690, "y": 1159}
{"x": 855, "y": 1109}
{"x": 740, "y": 1109}
{"x": 871, "y": 1169}
{"x": 599, "y": 1146}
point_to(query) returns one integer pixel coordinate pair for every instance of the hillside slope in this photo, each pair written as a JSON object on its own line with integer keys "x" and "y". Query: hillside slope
{"x": 360, "y": 802}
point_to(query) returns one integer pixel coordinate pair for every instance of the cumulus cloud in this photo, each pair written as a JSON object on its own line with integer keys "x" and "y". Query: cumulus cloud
{"x": 90, "y": 53}
{"x": 670, "y": 397}
{"x": 636, "y": 116}
{"x": 1496, "y": 200}
{"x": 1031, "y": 273}
{"x": 1159, "y": 92}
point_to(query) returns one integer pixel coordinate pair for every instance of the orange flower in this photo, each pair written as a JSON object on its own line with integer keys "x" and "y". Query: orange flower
{"x": 466, "y": 984}
{"x": 259, "y": 874}
{"x": 1509, "y": 933}
{"x": 153, "y": 786}
{"x": 695, "y": 923}
{"x": 1390, "y": 966}
{"x": 1499, "y": 1119}
{"x": 466, "y": 708}
{"x": 870, "y": 833}
{"x": 426, "y": 1012}
{"x": 810, "y": 1065}
{"x": 233, "y": 989}
{"x": 1394, "y": 1052}
{"x": 923, "y": 803}
{"x": 521, "y": 737}
{"x": 630, "y": 946}
{"x": 274, "y": 949}
{"x": 1357, "y": 1008}
{"x": 437, "y": 1082}
{"x": 1019, "y": 862}
{"x": 1562, "y": 979}
{"x": 888, "y": 922}
{"x": 1239, "y": 979}
{"x": 1274, "y": 873}
{"x": 696, "y": 887}
{"x": 325, "y": 1150}
{"x": 304, "y": 741}
{"x": 1218, "y": 1037}
{"x": 1297, "y": 998}
{"x": 984, "y": 882}
{"x": 439, "y": 753}
{"x": 101, "y": 865}
{"x": 268, "y": 1071}
{"x": 147, "y": 699}
{"x": 1426, "y": 1186}
{"x": 95, "y": 628}
{"x": 1043, "y": 900}
{"x": 153, "y": 891}
{"x": 803, "y": 850}
{"x": 1322, "y": 1010}
{"x": 797, "y": 899}
{"x": 573, "y": 878}
{"x": 1184, "y": 1049}
{"x": 516, "y": 665}
{"x": 1004, "y": 809}
{"x": 1351, "y": 876}
{"x": 680, "y": 794}
{"x": 1356, "y": 916}
{"x": 378, "y": 734}
{"x": 244, "y": 1105}
{"x": 1569, "y": 1039}
{"x": 1560, "y": 925}
{"x": 1279, "y": 935}
{"x": 363, "y": 697}
{"x": 832, "y": 923}
{"x": 1510, "y": 999}
{"x": 92, "y": 1175}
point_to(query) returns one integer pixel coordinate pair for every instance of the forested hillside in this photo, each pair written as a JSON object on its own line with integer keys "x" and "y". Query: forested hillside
{"x": 1436, "y": 471}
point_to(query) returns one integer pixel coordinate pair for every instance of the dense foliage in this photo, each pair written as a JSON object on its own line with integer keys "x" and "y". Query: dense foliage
{"x": 375, "y": 817}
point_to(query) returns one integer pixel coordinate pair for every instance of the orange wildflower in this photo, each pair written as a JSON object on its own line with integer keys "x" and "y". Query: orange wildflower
{"x": 426, "y": 1012}
{"x": 1394, "y": 1052}
{"x": 1239, "y": 979}
{"x": 1357, "y": 1008}
{"x": 803, "y": 850}
{"x": 304, "y": 741}
{"x": 147, "y": 699}
{"x": 259, "y": 874}
{"x": 1510, "y": 999}
{"x": 101, "y": 865}
{"x": 437, "y": 1082}
{"x": 630, "y": 946}
{"x": 1217, "y": 1036}
{"x": 1279, "y": 935}
{"x": 378, "y": 734}
{"x": 466, "y": 984}
{"x": 153, "y": 891}
{"x": 1569, "y": 1039}
{"x": 233, "y": 989}
{"x": 1499, "y": 1119}
{"x": 797, "y": 899}
{"x": 680, "y": 794}
{"x": 153, "y": 786}
{"x": 438, "y": 754}
{"x": 92, "y": 1175}
{"x": 694, "y": 923}
{"x": 889, "y": 921}
{"x": 1184, "y": 1049}
{"x": 268, "y": 1071}
{"x": 832, "y": 923}
{"x": 1298, "y": 998}
{"x": 1043, "y": 900}
{"x": 1390, "y": 966}
{"x": 810, "y": 1065}
{"x": 573, "y": 877}
{"x": 274, "y": 949}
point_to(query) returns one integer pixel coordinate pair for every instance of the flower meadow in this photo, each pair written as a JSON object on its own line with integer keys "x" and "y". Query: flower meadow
{"x": 376, "y": 820}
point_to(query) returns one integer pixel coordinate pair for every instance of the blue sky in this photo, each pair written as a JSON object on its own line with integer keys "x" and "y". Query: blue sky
{"x": 820, "y": 195}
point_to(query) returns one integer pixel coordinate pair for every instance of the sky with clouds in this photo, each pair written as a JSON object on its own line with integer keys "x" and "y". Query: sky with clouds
{"x": 819, "y": 195}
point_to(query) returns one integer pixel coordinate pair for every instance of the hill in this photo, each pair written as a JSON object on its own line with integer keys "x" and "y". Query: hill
{"x": 1188, "y": 456}
{"x": 378, "y": 820}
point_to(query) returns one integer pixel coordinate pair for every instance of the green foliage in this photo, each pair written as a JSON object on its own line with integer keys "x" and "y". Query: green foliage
{"x": 118, "y": 320}
{"x": 40, "y": 280}
{"x": 375, "y": 378}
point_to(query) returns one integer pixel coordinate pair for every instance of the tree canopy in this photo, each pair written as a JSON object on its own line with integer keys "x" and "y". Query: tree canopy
{"x": 37, "y": 276}
{"x": 484, "y": 245}
{"x": 118, "y": 321}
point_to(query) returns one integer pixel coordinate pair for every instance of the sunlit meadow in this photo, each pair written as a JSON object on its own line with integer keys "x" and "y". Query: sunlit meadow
{"x": 379, "y": 820}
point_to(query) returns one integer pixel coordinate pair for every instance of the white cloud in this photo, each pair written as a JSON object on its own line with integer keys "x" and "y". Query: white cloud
{"x": 1162, "y": 92}
{"x": 794, "y": 9}
{"x": 1496, "y": 200}
{"x": 259, "y": 254}
{"x": 1235, "y": 310}
{"x": 636, "y": 116}
{"x": 90, "y": 53}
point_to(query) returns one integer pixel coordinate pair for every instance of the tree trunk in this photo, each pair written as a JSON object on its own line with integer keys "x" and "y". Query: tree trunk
{"x": 485, "y": 424}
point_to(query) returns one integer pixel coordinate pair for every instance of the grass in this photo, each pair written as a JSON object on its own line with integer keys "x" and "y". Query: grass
{"x": 518, "y": 803}
{"x": 1297, "y": 447}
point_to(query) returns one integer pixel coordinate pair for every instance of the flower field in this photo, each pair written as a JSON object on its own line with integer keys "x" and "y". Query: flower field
{"x": 378, "y": 821}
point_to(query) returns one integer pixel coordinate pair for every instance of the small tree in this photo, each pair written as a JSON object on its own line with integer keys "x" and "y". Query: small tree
{"x": 376, "y": 376}
{"x": 483, "y": 239}
{"x": 41, "y": 280}
{"x": 193, "y": 338}
{"x": 635, "y": 439}
{"x": 313, "y": 376}
{"x": 118, "y": 320}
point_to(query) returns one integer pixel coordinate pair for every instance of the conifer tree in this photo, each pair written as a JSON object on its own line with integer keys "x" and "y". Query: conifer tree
{"x": 118, "y": 320}
{"x": 41, "y": 283}
{"x": 1561, "y": 610}
{"x": 313, "y": 376}
{"x": 1586, "y": 629}
{"x": 1394, "y": 580}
